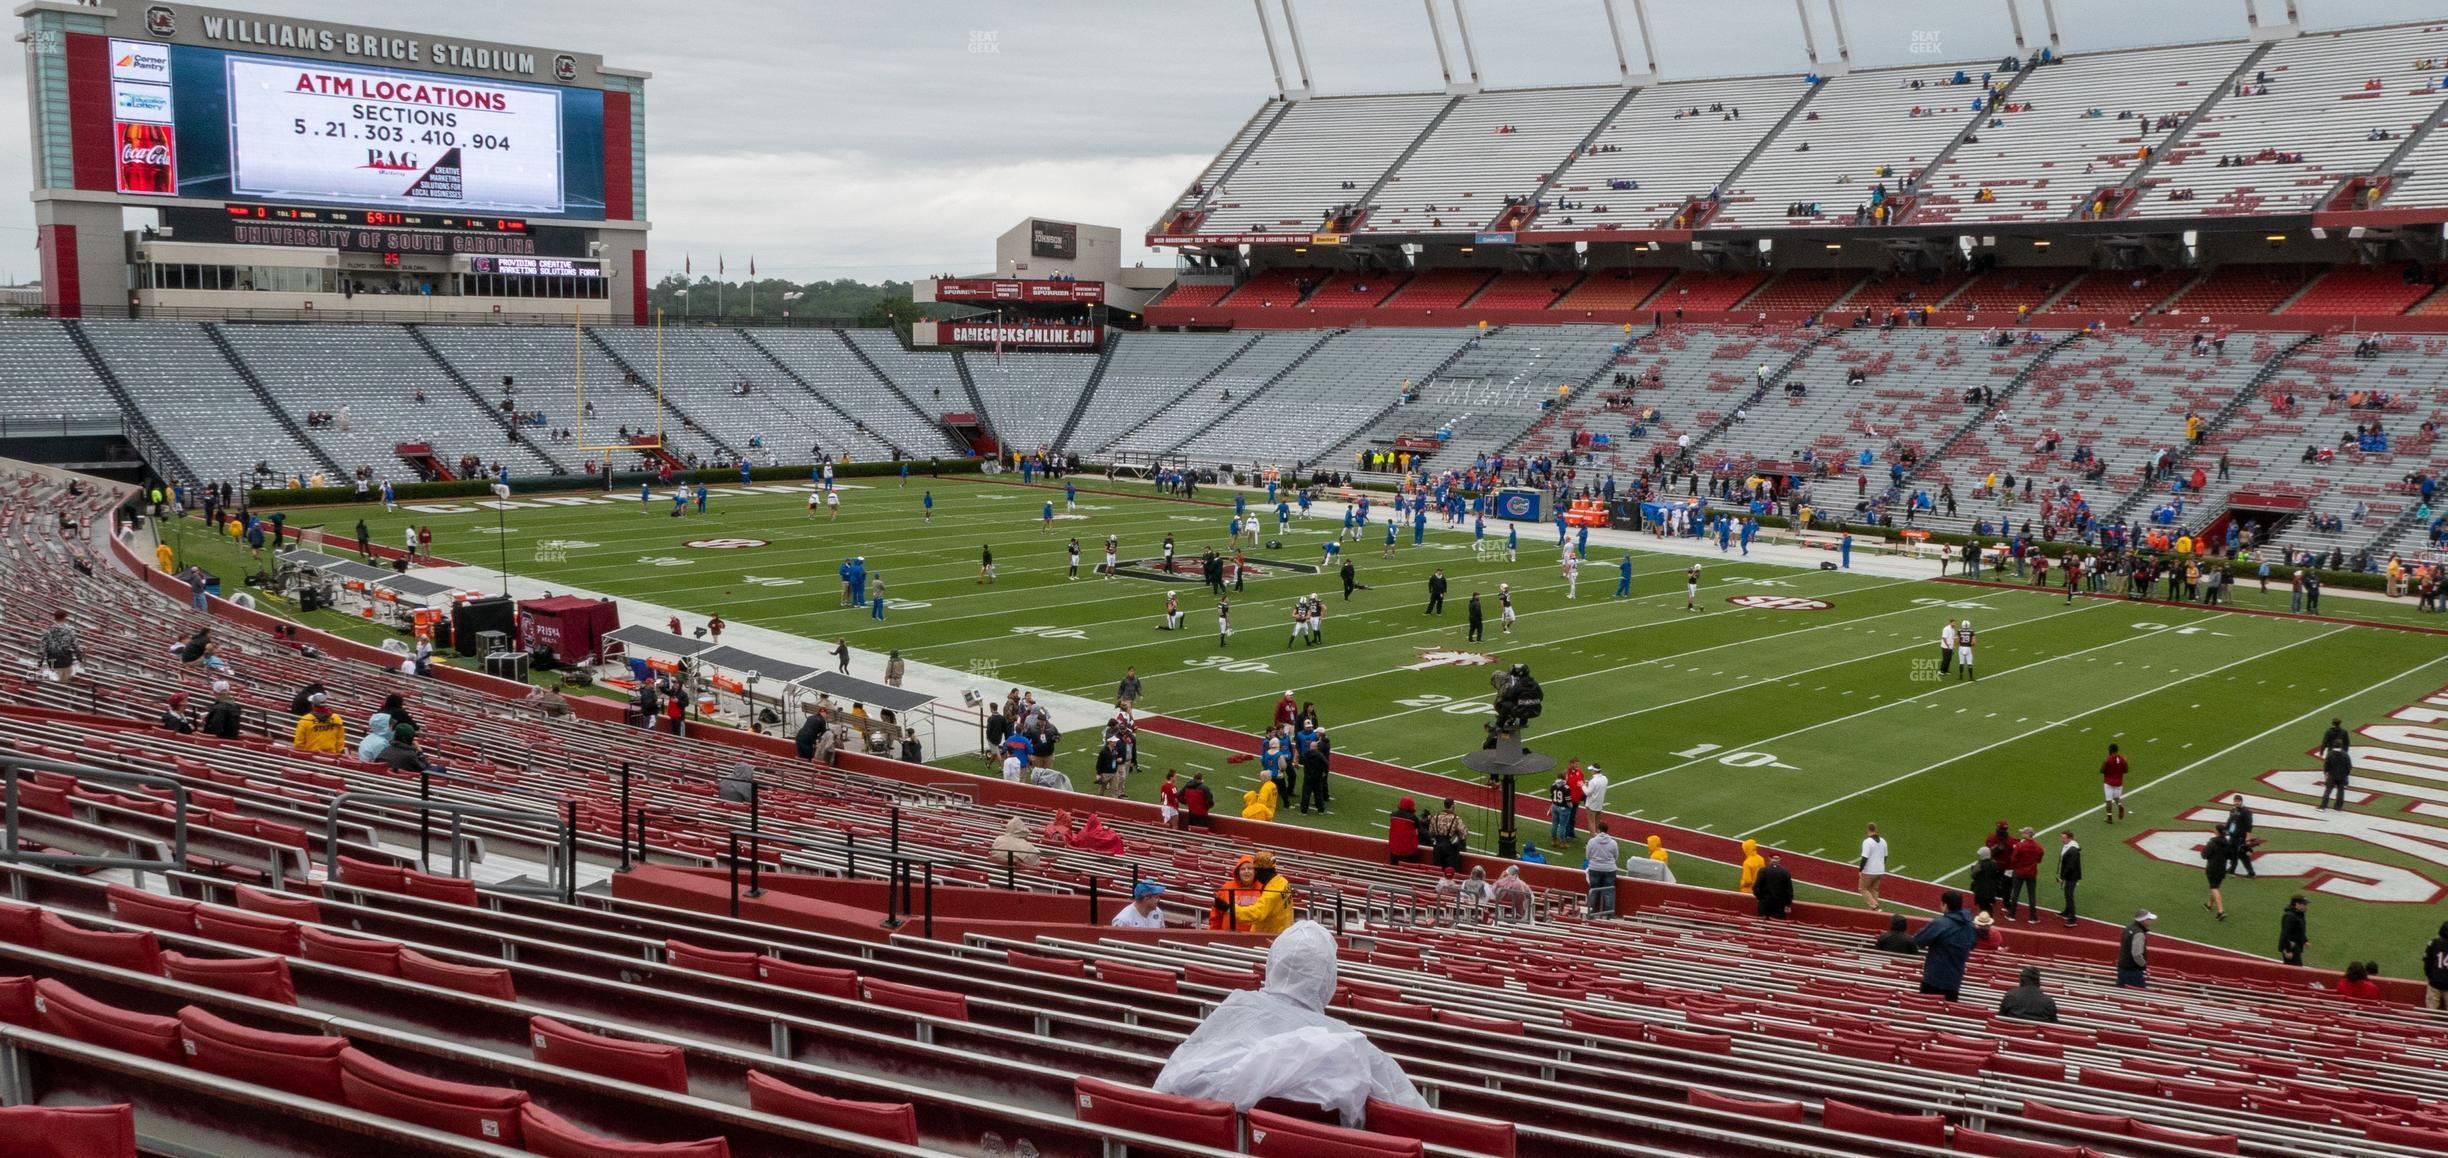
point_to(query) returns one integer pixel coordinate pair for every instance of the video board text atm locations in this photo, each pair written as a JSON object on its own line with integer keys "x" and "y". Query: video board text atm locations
{"x": 307, "y": 130}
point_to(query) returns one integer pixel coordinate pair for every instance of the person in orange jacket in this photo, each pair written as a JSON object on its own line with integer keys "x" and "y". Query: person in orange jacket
{"x": 1240, "y": 890}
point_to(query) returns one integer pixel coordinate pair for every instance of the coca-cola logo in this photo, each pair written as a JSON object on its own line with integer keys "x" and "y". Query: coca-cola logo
{"x": 161, "y": 21}
{"x": 148, "y": 155}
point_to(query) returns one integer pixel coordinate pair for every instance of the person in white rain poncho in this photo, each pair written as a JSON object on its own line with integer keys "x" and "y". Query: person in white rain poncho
{"x": 1279, "y": 1042}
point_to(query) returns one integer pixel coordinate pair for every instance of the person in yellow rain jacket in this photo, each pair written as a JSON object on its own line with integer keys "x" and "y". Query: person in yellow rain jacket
{"x": 161, "y": 556}
{"x": 1272, "y": 911}
{"x": 1657, "y": 849}
{"x": 320, "y": 729}
{"x": 1259, "y": 803}
{"x": 1752, "y": 863}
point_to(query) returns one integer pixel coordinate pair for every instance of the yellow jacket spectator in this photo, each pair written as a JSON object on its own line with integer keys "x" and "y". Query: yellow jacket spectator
{"x": 1272, "y": 911}
{"x": 1752, "y": 863}
{"x": 161, "y": 555}
{"x": 320, "y": 729}
{"x": 1657, "y": 848}
{"x": 1260, "y": 803}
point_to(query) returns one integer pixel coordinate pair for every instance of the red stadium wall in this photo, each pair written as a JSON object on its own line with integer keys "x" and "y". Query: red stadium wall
{"x": 63, "y": 289}
{"x": 620, "y": 203}
{"x": 637, "y": 287}
{"x": 858, "y": 908}
{"x": 92, "y": 140}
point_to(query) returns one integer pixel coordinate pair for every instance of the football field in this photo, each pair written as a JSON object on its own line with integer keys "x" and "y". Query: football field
{"x": 1792, "y": 705}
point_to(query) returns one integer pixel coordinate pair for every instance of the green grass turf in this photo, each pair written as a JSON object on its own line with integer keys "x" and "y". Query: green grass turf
{"x": 1797, "y": 727}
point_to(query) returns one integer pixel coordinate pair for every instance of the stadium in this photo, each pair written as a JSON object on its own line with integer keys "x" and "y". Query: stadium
{"x": 1773, "y": 603}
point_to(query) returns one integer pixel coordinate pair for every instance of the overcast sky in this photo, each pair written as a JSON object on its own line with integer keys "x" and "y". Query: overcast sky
{"x": 874, "y": 138}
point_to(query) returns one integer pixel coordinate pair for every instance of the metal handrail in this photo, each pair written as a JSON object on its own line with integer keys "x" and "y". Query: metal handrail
{"x": 565, "y": 843}
{"x": 11, "y": 764}
{"x": 899, "y": 882}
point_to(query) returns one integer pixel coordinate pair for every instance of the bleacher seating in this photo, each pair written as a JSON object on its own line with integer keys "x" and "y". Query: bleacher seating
{"x": 1278, "y": 288}
{"x": 2242, "y": 289}
{"x": 2089, "y": 118}
{"x": 48, "y": 376}
{"x": 825, "y": 360}
{"x": 1147, "y": 372}
{"x": 1439, "y": 289}
{"x": 1994, "y": 298}
{"x": 2325, "y": 95}
{"x": 1864, "y": 121}
{"x": 1526, "y": 291}
{"x": 1288, "y": 182}
{"x": 1810, "y": 290}
{"x": 1699, "y": 291}
{"x": 374, "y": 374}
{"x": 1174, "y": 424}
{"x": 702, "y": 370}
{"x": 2365, "y": 290}
{"x": 2112, "y": 295}
{"x": 1311, "y": 408}
{"x": 1028, "y": 397}
{"x": 1491, "y": 394}
{"x": 543, "y": 362}
{"x": 197, "y": 401}
{"x": 1199, "y": 190}
{"x": 1492, "y": 146}
{"x": 1614, "y": 289}
{"x": 1669, "y": 145}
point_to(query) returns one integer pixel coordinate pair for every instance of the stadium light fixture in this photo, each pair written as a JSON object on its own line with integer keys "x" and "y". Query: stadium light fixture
{"x": 2041, "y": 243}
{"x": 1466, "y": 249}
{"x": 2275, "y": 237}
{"x": 1835, "y": 245}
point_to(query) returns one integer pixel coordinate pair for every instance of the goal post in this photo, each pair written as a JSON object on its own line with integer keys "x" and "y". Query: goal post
{"x": 636, "y": 443}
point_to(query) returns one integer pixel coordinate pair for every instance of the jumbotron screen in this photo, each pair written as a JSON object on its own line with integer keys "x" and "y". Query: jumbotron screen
{"x": 210, "y": 123}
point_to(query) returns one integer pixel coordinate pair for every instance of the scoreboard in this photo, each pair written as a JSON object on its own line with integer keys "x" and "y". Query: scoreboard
{"x": 199, "y": 122}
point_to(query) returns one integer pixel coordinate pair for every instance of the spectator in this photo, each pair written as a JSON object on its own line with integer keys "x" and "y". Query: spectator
{"x": 2435, "y": 970}
{"x": 1241, "y": 889}
{"x": 1512, "y": 893}
{"x": 1012, "y": 847}
{"x": 1752, "y": 863}
{"x": 2133, "y": 952}
{"x": 1261, "y": 802}
{"x": 1270, "y": 911}
{"x": 401, "y": 753}
{"x": 1949, "y": 937}
{"x": 1279, "y": 1042}
{"x": 2293, "y": 935}
{"x": 1126, "y": 695}
{"x": 1143, "y": 912}
{"x": 1094, "y": 837}
{"x": 1873, "y": 866}
{"x": 174, "y": 715}
{"x": 1657, "y": 848}
{"x": 2215, "y": 857}
{"x": 2026, "y": 883}
{"x": 2358, "y": 983}
{"x": 60, "y": 650}
{"x": 738, "y": 783}
{"x": 379, "y": 726}
{"x": 1988, "y": 880}
{"x": 1600, "y": 867}
{"x": 2025, "y": 1002}
{"x": 1198, "y": 801}
{"x": 1403, "y": 833}
{"x": 320, "y": 729}
{"x": 2069, "y": 872}
{"x": 1774, "y": 891}
{"x": 222, "y": 719}
{"x": 1895, "y": 939}
{"x": 1448, "y": 837}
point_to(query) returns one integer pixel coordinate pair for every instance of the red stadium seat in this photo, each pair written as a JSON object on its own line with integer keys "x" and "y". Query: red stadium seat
{"x": 68, "y": 1013}
{"x": 1700, "y": 1042}
{"x": 942, "y": 1003}
{"x": 2416, "y": 1138}
{"x": 2104, "y": 1123}
{"x": 1061, "y": 966}
{"x": 68, "y": 1131}
{"x": 253, "y": 930}
{"x": 1774, "y": 1111}
{"x": 1200, "y": 1121}
{"x": 17, "y": 1001}
{"x": 1209, "y": 975}
{"x": 481, "y": 980}
{"x": 260, "y": 977}
{"x": 136, "y": 951}
{"x": 350, "y": 952}
{"x": 365, "y": 874}
{"x": 812, "y": 978}
{"x": 1139, "y": 977}
{"x": 1467, "y": 1134}
{"x": 152, "y": 910}
{"x": 2206, "y": 1143}
{"x": 2027, "y": 1067}
{"x": 891, "y": 1121}
{"x": 20, "y": 924}
{"x": 436, "y": 887}
{"x": 378, "y": 1087}
{"x": 1273, "y": 1135}
{"x": 1971, "y": 1141}
{"x": 1847, "y": 1118}
{"x": 290, "y": 905}
{"x": 1599, "y": 1025}
{"x": 662, "y": 1067}
{"x": 1505, "y": 1025}
{"x": 682, "y": 955}
{"x": 299, "y": 1063}
{"x": 1403, "y": 1009}
{"x": 550, "y": 1135}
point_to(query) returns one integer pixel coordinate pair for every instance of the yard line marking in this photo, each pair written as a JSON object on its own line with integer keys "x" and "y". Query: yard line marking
{"x": 2256, "y": 737}
{"x": 2027, "y": 734}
